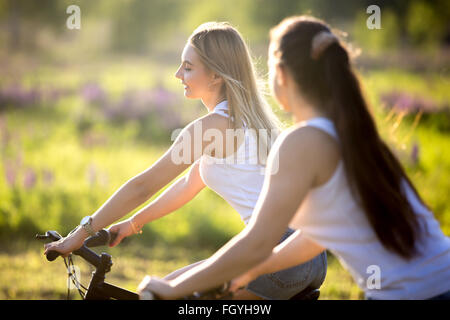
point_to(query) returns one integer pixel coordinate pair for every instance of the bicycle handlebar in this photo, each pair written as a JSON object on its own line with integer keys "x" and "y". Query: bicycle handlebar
{"x": 103, "y": 262}
{"x": 102, "y": 237}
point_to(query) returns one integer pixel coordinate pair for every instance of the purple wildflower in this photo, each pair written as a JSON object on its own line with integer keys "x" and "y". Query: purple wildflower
{"x": 162, "y": 97}
{"x": 139, "y": 105}
{"x": 4, "y": 133}
{"x": 47, "y": 176}
{"x": 29, "y": 180}
{"x": 10, "y": 173}
{"x": 415, "y": 153}
{"x": 18, "y": 96}
{"x": 406, "y": 102}
{"x": 93, "y": 93}
{"x": 92, "y": 174}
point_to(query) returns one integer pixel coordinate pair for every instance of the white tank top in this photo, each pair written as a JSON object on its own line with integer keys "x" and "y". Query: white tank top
{"x": 330, "y": 216}
{"x": 237, "y": 178}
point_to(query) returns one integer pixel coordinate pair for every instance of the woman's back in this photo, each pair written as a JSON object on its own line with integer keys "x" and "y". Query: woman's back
{"x": 330, "y": 216}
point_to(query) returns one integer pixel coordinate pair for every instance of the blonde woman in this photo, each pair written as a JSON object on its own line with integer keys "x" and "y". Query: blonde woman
{"x": 216, "y": 68}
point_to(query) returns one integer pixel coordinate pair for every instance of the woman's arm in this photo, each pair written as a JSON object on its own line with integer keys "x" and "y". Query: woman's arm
{"x": 286, "y": 254}
{"x": 283, "y": 256}
{"x": 177, "y": 195}
{"x": 180, "y": 271}
{"x": 291, "y": 172}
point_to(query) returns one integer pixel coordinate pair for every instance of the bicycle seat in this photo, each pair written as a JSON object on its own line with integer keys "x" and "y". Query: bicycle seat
{"x": 307, "y": 294}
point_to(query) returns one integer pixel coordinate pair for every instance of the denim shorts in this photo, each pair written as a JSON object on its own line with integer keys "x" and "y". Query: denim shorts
{"x": 284, "y": 284}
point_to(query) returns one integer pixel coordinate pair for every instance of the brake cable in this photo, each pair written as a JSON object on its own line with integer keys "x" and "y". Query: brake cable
{"x": 72, "y": 276}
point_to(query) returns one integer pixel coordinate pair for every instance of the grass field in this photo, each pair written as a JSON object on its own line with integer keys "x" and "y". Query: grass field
{"x": 71, "y": 137}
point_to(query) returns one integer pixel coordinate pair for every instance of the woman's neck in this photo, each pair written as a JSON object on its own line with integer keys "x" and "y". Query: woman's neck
{"x": 303, "y": 111}
{"x": 211, "y": 102}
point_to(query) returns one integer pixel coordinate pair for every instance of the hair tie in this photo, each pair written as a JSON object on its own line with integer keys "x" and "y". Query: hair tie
{"x": 321, "y": 42}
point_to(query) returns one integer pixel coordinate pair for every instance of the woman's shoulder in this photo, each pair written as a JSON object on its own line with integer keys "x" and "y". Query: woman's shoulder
{"x": 215, "y": 120}
{"x": 207, "y": 122}
{"x": 304, "y": 136}
{"x": 307, "y": 142}
{"x": 212, "y": 121}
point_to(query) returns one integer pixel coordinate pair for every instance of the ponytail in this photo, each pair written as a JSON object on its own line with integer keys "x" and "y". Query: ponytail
{"x": 374, "y": 174}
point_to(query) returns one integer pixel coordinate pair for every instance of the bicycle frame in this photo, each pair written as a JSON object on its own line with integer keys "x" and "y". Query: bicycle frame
{"x": 100, "y": 290}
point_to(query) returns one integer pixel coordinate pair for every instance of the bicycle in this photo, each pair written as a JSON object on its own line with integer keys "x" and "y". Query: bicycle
{"x": 98, "y": 289}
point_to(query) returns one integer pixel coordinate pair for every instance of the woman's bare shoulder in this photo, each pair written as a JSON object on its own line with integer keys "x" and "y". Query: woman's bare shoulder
{"x": 308, "y": 146}
{"x": 212, "y": 121}
{"x": 302, "y": 137}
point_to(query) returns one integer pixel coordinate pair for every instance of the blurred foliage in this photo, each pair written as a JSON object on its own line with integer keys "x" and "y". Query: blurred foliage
{"x": 424, "y": 24}
{"x": 142, "y": 26}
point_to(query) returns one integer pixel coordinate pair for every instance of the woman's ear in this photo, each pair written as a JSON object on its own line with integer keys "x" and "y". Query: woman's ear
{"x": 281, "y": 85}
{"x": 217, "y": 79}
{"x": 281, "y": 75}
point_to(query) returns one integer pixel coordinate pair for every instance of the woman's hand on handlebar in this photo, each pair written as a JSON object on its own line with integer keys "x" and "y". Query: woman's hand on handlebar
{"x": 159, "y": 288}
{"x": 242, "y": 280}
{"x": 66, "y": 245}
{"x": 121, "y": 230}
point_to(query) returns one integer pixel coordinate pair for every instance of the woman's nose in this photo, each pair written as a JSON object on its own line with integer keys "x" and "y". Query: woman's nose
{"x": 178, "y": 74}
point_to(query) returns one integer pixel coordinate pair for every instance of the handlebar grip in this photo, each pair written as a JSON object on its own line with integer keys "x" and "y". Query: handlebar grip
{"x": 101, "y": 238}
{"x": 52, "y": 255}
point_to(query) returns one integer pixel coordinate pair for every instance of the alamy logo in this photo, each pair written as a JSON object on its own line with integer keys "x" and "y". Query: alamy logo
{"x": 374, "y": 20}
{"x": 74, "y": 20}
{"x": 374, "y": 280}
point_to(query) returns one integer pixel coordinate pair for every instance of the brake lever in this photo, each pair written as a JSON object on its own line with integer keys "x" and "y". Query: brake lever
{"x": 52, "y": 235}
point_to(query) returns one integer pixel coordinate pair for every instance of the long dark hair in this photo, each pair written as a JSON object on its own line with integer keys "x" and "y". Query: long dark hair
{"x": 373, "y": 172}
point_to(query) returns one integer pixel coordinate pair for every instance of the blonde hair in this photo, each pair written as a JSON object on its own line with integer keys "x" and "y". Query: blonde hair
{"x": 222, "y": 50}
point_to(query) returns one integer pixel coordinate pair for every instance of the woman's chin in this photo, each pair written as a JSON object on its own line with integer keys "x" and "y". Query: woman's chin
{"x": 188, "y": 94}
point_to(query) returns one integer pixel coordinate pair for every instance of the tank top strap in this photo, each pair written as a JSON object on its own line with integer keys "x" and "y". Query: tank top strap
{"x": 323, "y": 124}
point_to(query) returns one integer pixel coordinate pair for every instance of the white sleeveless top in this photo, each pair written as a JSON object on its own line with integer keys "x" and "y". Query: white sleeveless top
{"x": 330, "y": 216}
{"x": 237, "y": 178}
